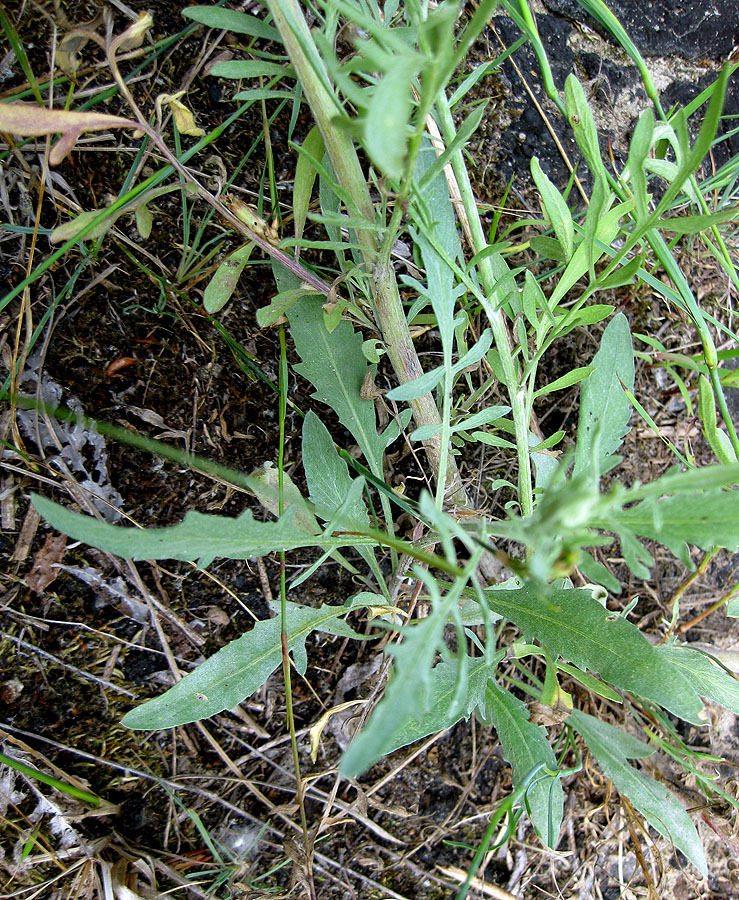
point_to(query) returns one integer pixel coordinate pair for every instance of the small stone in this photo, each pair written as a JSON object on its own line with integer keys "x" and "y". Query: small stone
{"x": 11, "y": 690}
{"x": 217, "y": 616}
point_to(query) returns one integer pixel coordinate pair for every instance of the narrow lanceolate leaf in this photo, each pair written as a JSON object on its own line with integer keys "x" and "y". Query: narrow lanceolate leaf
{"x": 385, "y": 128}
{"x": 335, "y": 366}
{"x": 576, "y": 627}
{"x": 611, "y": 748}
{"x": 709, "y": 680}
{"x": 30, "y": 120}
{"x": 717, "y": 440}
{"x": 225, "y": 278}
{"x": 305, "y": 177}
{"x": 556, "y": 209}
{"x": 250, "y": 68}
{"x": 418, "y": 386}
{"x": 198, "y": 537}
{"x": 574, "y": 376}
{"x": 605, "y": 409}
{"x": 525, "y": 746}
{"x": 230, "y": 20}
{"x": 604, "y": 228}
{"x": 240, "y": 668}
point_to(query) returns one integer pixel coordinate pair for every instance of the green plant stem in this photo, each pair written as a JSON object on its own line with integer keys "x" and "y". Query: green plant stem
{"x": 520, "y": 407}
{"x": 299, "y": 792}
{"x": 505, "y": 807}
{"x": 647, "y": 229}
{"x": 68, "y": 789}
{"x": 388, "y": 307}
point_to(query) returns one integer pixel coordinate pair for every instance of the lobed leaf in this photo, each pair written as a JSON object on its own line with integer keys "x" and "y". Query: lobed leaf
{"x": 576, "y": 627}
{"x": 240, "y": 668}
{"x": 709, "y": 679}
{"x": 409, "y": 696}
{"x": 705, "y": 519}
{"x": 335, "y": 366}
{"x": 394, "y": 732}
{"x": 198, "y": 537}
{"x": 605, "y": 409}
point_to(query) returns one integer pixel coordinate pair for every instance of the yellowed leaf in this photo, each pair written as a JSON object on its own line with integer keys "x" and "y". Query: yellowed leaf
{"x": 377, "y": 611}
{"x": 133, "y": 36}
{"x": 29, "y": 120}
{"x": 183, "y": 117}
{"x": 317, "y": 730}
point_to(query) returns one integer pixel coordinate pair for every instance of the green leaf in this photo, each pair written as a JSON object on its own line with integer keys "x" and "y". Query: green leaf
{"x": 592, "y": 684}
{"x": 425, "y": 432}
{"x": 326, "y": 472}
{"x": 198, "y": 537}
{"x": 239, "y": 668}
{"x": 706, "y": 519}
{"x": 574, "y": 376}
{"x": 418, "y": 386}
{"x": 525, "y": 746}
{"x": 678, "y": 482}
{"x": 228, "y": 20}
{"x": 717, "y": 440}
{"x": 409, "y": 695}
{"x": 624, "y": 274}
{"x": 144, "y": 220}
{"x": 599, "y": 574}
{"x": 604, "y": 408}
{"x": 571, "y": 624}
{"x": 280, "y": 304}
{"x": 611, "y": 748}
{"x": 492, "y": 440}
{"x": 586, "y": 315}
{"x": 305, "y": 177}
{"x": 483, "y": 417}
{"x": 265, "y": 482}
{"x": 556, "y": 209}
{"x": 385, "y": 127}
{"x": 697, "y": 224}
{"x": 551, "y": 441}
{"x": 443, "y": 712}
{"x": 265, "y": 94}
{"x": 251, "y": 68}
{"x": 475, "y": 353}
{"x": 548, "y": 248}
{"x": 583, "y": 126}
{"x": 69, "y": 229}
{"x": 641, "y": 144}
{"x": 464, "y": 133}
{"x": 605, "y": 230}
{"x": 702, "y": 144}
{"x": 225, "y": 278}
{"x": 335, "y": 366}
{"x": 709, "y": 679}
